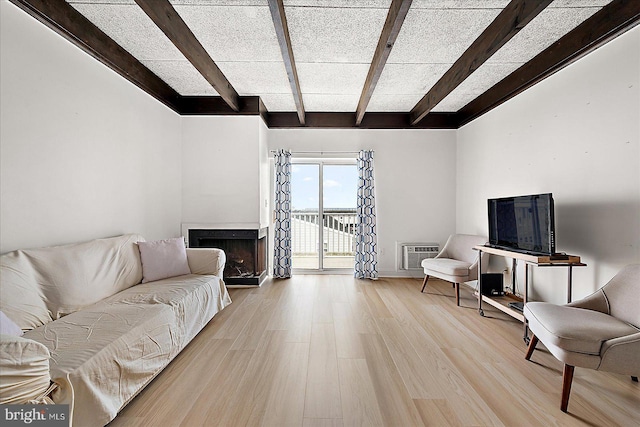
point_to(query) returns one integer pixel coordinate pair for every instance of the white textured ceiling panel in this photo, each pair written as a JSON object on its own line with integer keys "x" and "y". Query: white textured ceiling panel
{"x": 459, "y": 4}
{"x": 453, "y": 102}
{"x": 181, "y": 76}
{"x": 278, "y": 102}
{"x": 332, "y": 78}
{"x": 330, "y": 103}
{"x": 397, "y": 103}
{"x": 132, "y": 29}
{"x": 233, "y": 33}
{"x": 340, "y": 3}
{"x": 102, "y": 1}
{"x": 334, "y": 35}
{"x": 542, "y": 32}
{"x": 482, "y": 79}
{"x": 579, "y": 3}
{"x": 256, "y": 78}
{"x": 409, "y": 78}
{"x": 220, "y": 2}
{"x": 439, "y": 36}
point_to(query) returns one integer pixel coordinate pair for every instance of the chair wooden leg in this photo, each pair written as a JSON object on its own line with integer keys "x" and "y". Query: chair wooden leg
{"x": 424, "y": 284}
{"x": 457, "y": 294}
{"x": 532, "y": 346}
{"x": 567, "y": 378}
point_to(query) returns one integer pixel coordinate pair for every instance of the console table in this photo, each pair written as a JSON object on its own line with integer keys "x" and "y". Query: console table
{"x": 568, "y": 261}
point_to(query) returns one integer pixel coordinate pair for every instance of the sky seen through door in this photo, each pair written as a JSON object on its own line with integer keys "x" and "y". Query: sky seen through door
{"x": 340, "y": 185}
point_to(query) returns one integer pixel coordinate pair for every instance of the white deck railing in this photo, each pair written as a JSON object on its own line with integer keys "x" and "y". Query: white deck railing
{"x": 338, "y": 232}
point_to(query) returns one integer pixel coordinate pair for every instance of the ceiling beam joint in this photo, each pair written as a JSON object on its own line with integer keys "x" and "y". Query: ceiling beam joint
{"x": 514, "y": 17}
{"x": 65, "y": 20}
{"x": 167, "y": 19}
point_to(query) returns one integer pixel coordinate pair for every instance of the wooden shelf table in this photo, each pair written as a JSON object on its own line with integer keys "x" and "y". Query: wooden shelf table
{"x": 500, "y": 303}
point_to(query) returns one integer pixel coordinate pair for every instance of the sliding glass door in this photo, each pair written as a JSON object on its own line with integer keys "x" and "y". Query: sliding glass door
{"x": 323, "y": 196}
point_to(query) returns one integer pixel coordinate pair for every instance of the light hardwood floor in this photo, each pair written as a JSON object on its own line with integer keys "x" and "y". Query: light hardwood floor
{"x": 335, "y": 351}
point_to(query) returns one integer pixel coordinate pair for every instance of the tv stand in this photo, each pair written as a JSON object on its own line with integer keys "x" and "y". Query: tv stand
{"x": 555, "y": 260}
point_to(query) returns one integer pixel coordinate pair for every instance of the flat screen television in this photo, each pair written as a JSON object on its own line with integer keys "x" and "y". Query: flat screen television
{"x": 523, "y": 224}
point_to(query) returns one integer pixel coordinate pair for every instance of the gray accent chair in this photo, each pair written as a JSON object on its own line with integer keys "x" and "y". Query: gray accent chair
{"x": 457, "y": 262}
{"x": 601, "y": 331}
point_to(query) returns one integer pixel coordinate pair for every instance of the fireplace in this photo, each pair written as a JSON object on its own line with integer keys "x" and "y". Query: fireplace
{"x": 246, "y": 252}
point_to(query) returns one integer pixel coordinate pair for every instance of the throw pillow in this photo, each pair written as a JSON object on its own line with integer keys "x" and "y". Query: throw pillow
{"x": 8, "y": 327}
{"x": 163, "y": 258}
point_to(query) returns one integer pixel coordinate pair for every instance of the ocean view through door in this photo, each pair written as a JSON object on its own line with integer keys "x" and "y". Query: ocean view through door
{"x": 323, "y": 214}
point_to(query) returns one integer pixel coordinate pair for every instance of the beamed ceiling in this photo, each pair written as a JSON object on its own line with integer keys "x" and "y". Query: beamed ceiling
{"x": 337, "y": 63}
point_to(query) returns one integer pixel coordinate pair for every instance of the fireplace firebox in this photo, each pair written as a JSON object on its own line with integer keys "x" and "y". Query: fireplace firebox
{"x": 246, "y": 252}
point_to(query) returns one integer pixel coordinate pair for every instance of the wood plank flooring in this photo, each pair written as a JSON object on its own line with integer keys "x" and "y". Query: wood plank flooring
{"x": 330, "y": 350}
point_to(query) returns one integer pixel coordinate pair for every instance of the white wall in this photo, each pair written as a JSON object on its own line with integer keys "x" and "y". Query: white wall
{"x": 84, "y": 153}
{"x": 265, "y": 176}
{"x": 414, "y": 179}
{"x": 222, "y": 162}
{"x": 576, "y": 134}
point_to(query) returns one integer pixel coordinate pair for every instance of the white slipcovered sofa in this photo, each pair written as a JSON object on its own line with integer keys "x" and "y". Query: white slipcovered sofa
{"x": 92, "y": 327}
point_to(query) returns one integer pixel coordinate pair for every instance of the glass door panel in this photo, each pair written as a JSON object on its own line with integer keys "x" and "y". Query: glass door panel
{"x": 323, "y": 215}
{"x": 340, "y": 187}
{"x": 305, "y": 216}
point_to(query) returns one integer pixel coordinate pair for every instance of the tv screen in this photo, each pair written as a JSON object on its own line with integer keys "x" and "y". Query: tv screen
{"x": 523, "y": 224}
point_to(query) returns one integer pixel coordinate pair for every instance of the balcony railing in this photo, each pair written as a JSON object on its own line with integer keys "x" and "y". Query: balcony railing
{"x": 338, "y": 232}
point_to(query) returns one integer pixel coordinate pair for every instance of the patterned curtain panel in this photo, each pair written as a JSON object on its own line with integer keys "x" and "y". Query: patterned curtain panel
{"x": 282, "y": 215}
{"x": 366, "y": 266}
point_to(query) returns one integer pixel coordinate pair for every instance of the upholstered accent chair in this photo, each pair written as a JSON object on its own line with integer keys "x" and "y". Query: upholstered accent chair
{"x": 457, "y": 262}
{"x": 601, "y": 331}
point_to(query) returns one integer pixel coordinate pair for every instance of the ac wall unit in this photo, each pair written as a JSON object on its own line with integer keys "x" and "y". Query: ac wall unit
{"x": 412, "y": 255}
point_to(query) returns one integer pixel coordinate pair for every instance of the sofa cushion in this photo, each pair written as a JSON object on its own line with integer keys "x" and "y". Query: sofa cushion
{"x": 163, "y": 258}
{"x": 111, "y": 350}
{"x": 68, "y": 278}
{"x": 574, "y": 329}
{"x": 8, "y": 326}
{"x": 447, "y": 266}
{"x": 79, "y": 275}
{"x": 107, "y": 354}
{"x": 21, "y": 296}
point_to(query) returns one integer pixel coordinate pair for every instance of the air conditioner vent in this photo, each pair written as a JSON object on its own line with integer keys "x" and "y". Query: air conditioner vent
{"x": 413, "y": 254}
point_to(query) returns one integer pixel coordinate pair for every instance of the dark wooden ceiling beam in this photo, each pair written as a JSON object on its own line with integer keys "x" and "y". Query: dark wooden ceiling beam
{"x": 167, "y": 19}
{"x": 395, "y": 18}
{"x": 216, "y": 106}
{"x": 515, "y": 16}
{"x": 73, "y": 26}
{"x": 278, "y": 120}
{"x": 614, "y": 19}
{"x": 282, "y": 31}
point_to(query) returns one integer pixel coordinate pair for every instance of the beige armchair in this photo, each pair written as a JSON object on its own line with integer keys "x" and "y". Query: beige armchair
{"x": 601, "y": 331}
{"x": 457, "y": 262}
